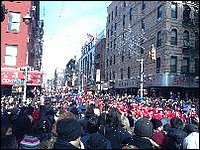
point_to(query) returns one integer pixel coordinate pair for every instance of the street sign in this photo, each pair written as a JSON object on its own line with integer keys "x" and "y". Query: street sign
{"x": 18, "y": 82}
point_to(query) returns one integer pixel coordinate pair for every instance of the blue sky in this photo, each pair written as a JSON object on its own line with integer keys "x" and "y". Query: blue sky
{"x": 66, "y": 24}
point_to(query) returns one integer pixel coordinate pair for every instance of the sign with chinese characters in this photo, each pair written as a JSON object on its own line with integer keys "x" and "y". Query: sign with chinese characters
{"x": 15, "y": 76}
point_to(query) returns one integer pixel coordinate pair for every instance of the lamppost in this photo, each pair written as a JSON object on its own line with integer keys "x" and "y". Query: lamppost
{"x": 27, "y": 21}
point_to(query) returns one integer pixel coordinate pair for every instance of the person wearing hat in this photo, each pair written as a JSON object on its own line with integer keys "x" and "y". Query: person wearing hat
{"x": 69, "y": 133}
{"x": 159, "y": 136}
{"x": 175, "y": 134}
{"x": 141, "y": 136}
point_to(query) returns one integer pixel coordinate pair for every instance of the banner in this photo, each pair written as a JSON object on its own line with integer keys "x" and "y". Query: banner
{"x": 15, "y": 76}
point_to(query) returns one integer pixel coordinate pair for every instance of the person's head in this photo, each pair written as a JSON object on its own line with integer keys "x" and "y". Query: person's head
{"x": 69, "y": 129}
{"x": 143, "y": 127}
{"x": 66, "y": 114}
{"x": 176, "y": 123}
{"x": 93, "y": 124}
{"x": 157, "y": 124}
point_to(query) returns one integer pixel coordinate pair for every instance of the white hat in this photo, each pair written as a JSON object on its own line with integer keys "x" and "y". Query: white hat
{"x": 191, "y": 141}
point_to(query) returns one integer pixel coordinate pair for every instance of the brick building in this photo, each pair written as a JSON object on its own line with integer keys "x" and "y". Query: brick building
{"x": 19, "y": 43}
{"x": 172, "y": 26}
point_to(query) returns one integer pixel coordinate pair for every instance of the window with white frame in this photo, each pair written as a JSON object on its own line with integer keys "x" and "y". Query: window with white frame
{"x": 185, "y": 65}
{"x": 174, "y": 10}
{"x": 173, "y": 37}
{"x": 186, "y": 39}
{"x": 160, "y": 12}
{"x": 14, "y": 21}
{"x": 11, "y": 55}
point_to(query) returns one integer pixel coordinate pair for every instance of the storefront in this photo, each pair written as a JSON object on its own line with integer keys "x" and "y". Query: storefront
{"x": 12, "y": 81}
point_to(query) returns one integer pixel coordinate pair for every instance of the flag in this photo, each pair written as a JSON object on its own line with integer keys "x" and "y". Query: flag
{"x": 90, "y": 36}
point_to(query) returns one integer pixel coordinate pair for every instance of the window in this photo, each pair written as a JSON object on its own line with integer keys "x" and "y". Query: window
{"x": 160, "y": 12}
{"x": 158, "y": 65}
{"x": 113, "y": 75}
{"x": 111, "y": 61}
{"x": 121, "y": 72}
{"x": 130, "y": 14}
{"x": 173, "y": 64}
{"x": 186, "y": 13}
{"x": 116, "y": 11}
{"x": 122, "y": 56}
{"x": 143, "y": 24}
{"x": 173, "y": 37}
{"x": 112, "y": 15}
{"x": 143, "y": 5}
{"x": 114, "y": 43}
{"x": 129, "y": 72}
{"x": 107, "y": 76}
{"x": 108, "y": 47}
{"x": 196, "y": 41}
{"x": 11, "y": 55}
{"x": 111, "y": 30}
{"x": 186, "y": 41}
{"x": 124, "y": 3}
{"x": 196, "y": 65}
{"x": 109, "y": 18}
{"x": 124, "y": 21}
{"x": 185, "y": 65}
{"x": 159, "y": 39}
{"x": 108, "y": 33}
{"x": 115, "y": 26}
{"x": 174, "y": 10}
{"x": 13, "y": 21}
{"x": 114, "y": 60}
{"x": 107, "y": 62}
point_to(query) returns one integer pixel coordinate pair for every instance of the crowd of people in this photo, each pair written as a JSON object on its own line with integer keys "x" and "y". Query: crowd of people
{"x": 99, "y": 121}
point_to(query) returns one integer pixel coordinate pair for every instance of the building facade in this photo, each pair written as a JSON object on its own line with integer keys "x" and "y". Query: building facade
{"x": 21, "y": 45}
{"x": 86, "y": 66}
{"x": 71, "y": 75}
{"x": 172, "y": 27}
{"x": 100, "y": 47}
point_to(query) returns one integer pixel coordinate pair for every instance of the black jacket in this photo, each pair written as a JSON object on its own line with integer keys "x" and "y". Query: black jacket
{"x": 61, "y": 144}
{"x": 139, "y": 142}
{"x": 115, "y": 135}
{"x": 175, "y": 138}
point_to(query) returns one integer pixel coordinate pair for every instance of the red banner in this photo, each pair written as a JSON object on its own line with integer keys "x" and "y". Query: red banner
{"x": 12, "y": 76}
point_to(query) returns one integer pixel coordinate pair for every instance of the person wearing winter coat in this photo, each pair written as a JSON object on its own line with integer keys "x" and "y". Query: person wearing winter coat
{"x": 175, "y": 134}
{"x": 69, "y": 134}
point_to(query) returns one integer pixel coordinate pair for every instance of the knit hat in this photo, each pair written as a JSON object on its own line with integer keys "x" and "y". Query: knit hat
{"x": 143, "y": 127}
{"x": 30, "y": 142}
{"x": 69, "y": 129}
{"x": 176, "y": 123}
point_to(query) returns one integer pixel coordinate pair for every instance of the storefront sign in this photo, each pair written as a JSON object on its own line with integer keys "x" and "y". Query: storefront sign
{"x": 13, "y": 76}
